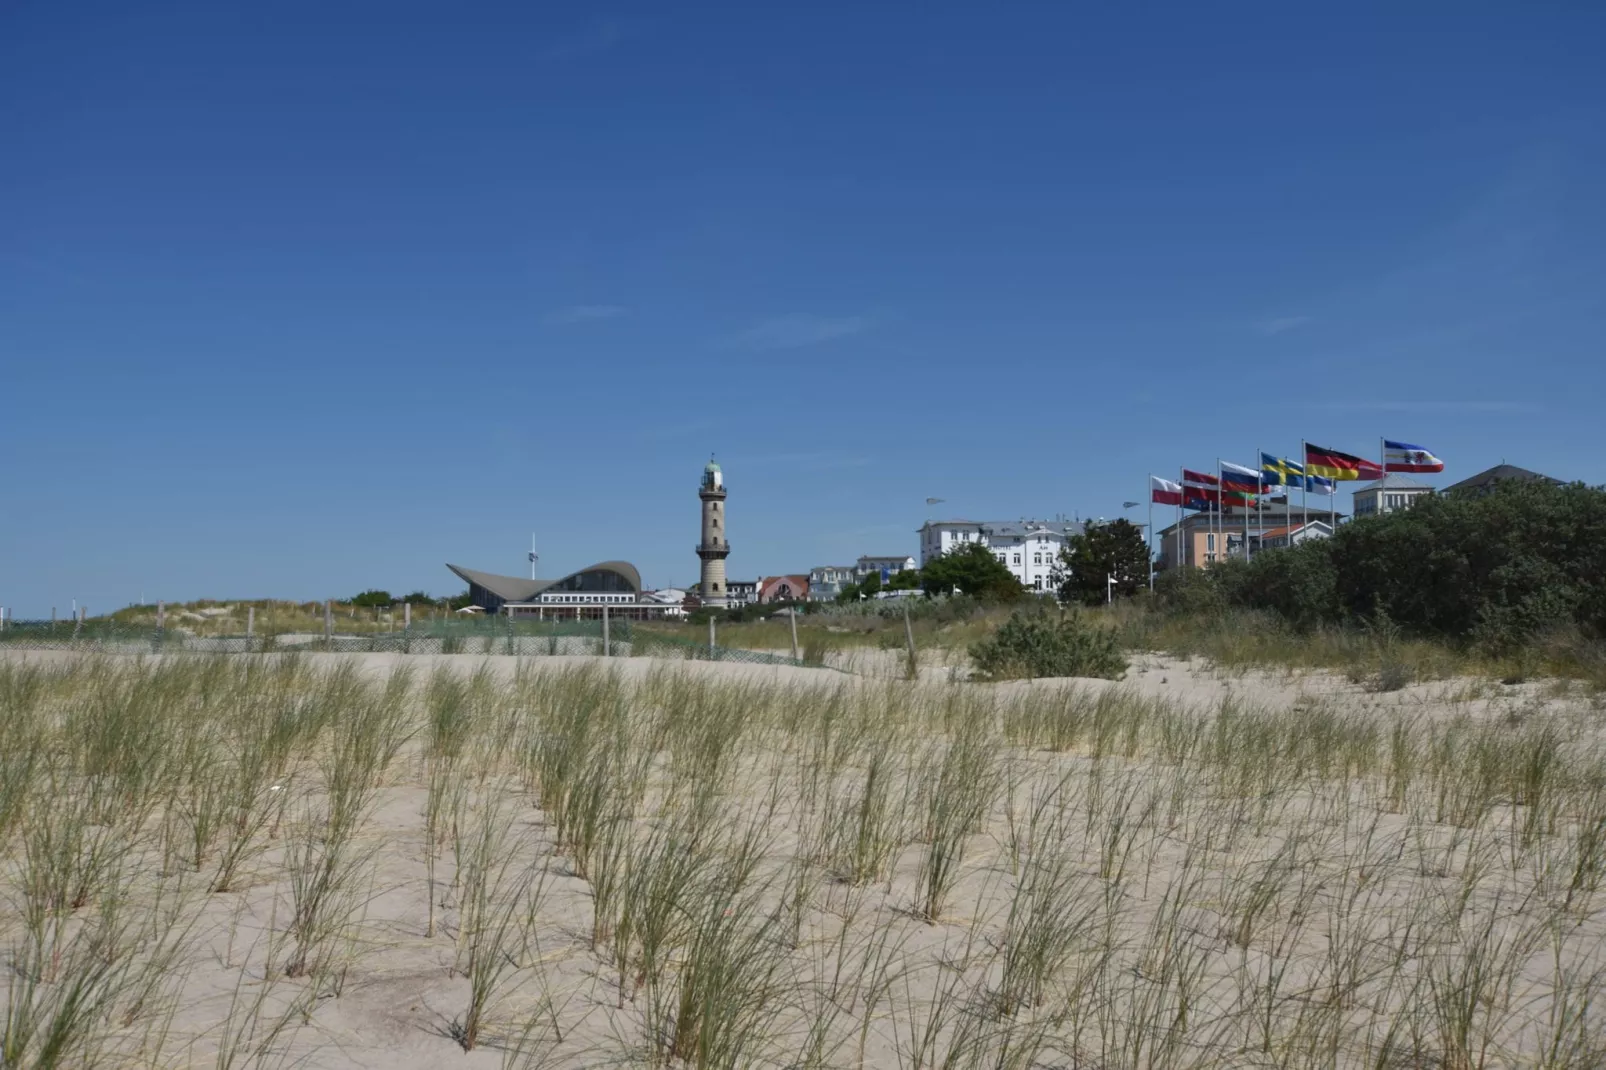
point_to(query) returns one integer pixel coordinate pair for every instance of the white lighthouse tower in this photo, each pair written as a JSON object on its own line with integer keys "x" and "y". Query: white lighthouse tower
{"x": 714, "y": 547}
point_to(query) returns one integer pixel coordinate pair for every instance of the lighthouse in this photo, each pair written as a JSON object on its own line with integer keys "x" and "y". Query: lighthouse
{"x": 714, "y": 547}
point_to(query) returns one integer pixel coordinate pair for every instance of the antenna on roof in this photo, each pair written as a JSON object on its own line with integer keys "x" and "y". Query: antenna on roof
{"x": 534, "y": 557}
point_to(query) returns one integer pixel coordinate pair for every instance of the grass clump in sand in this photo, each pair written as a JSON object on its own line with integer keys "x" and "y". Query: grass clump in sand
{"x": 243, "y": 861}
{"x": 1041, "y": 642}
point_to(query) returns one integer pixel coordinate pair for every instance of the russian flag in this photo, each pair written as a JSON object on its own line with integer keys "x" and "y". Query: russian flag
{"x": 1239, "y": 477}
{"x": 1404, "y": 457}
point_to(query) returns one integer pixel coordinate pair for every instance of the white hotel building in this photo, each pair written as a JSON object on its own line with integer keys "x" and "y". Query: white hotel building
{"x": 1030, "y": 549}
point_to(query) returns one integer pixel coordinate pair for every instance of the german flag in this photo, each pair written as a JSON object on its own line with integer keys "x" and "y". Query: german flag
{"x": 1335, "y": 464}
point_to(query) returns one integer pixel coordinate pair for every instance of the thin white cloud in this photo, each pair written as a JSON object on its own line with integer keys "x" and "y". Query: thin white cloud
{"x": 798, "y": 330}
{"x": 585, "y": 313}
{"x": 1280, "y": 324}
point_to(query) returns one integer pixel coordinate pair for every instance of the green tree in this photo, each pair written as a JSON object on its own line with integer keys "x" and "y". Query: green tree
{"x": 971, "y": 569}
{"x": 417, "y": 598}
{"x": 373, "y": 597}
{"x": 907, "y": 580}
{"x": 870, "y": 586}
{"x": 1098, "y": 552}
{"x": 849, "y": 593}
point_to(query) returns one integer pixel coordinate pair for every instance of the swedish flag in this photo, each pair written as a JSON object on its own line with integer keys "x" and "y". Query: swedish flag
{"x": 1283, "y": 473}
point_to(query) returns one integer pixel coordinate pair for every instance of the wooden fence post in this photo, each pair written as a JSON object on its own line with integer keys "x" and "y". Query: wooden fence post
{"x": 161, "y": 615}
{"x": 791, "y": 615}
{"x": 328, "y": 620}
{"x": 909, "y": 636}
{"x": 710, "y": 638}
{"x": 607, "y": 646}
{"x": 250, "y": 620}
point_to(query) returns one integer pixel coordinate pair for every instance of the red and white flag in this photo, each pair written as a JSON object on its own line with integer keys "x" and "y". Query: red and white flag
{"x": 1164, "y": 492}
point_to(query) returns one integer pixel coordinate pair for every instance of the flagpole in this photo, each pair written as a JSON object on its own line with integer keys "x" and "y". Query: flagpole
{"x": 1150, "y": 542}
{"x": 1182, "y": 481}
{"x": 1260, "y": 499}
{"x": 1304, "y": 485}
{"x": 1383, "y": 476}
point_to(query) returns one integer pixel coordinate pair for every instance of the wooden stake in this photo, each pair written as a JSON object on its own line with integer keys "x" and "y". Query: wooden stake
{"x": 909, "y": 637}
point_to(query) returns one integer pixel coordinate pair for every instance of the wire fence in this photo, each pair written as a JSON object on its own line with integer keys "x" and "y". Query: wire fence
{"x": 491, "y": 636}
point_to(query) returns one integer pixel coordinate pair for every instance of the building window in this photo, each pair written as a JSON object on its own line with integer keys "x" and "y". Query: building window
{"x": 716, "y": 523}
{"x": 1017, "y": 559}
{"x": 1210, "y": 545}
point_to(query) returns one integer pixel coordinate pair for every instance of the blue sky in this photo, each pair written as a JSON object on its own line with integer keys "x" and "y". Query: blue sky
{"x": 297, "y": 299}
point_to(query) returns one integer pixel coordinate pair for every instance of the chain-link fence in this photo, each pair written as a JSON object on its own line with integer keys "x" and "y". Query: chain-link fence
{"x": 487, "y": 636}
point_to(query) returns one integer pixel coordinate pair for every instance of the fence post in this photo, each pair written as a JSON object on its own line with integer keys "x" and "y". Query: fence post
{"x": 328, "y": 620}
{"x": 791, "y": 615}
{"x": 711, "y": 638}
{"x": 161, "y": 617}
{"x": 52, "y": 618}
{"x": 2, "y": 618}
{"x": 407, "y": 616}
{"x": 250, "y": 621}
{"x": 607, "y": 646}
{"x": 909, "y": 636}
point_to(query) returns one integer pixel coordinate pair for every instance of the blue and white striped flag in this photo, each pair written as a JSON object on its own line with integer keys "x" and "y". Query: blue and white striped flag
{"x": 1320, "y": 485}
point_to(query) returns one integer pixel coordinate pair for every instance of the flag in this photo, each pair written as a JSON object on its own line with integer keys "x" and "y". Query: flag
{"x": 1280, "y": 472}
{"x": 1164, "y": 492}
{"x": 1237, "y": 477}
{"x": 1318, "y": 485}
{"x": 1335, "y": 464}
{"x": 1404, "y": 457}
{"x": 1200, "y": 491}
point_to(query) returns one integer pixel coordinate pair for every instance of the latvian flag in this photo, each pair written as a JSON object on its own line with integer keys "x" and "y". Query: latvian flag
{"x": 1200, "y": 491}
{"x": 1164, "y": 492}
{"x": 1404, "y": 457}
{"x": 1338, "y": 465}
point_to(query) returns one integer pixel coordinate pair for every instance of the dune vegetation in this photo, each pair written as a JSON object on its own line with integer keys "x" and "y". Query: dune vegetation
{"x": 359, "y": 860}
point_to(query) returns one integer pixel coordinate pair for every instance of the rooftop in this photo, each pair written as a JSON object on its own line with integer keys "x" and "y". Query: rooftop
{"x": 1394, "y": 481}
{"x": 1010, "y": 527}
{"x": 1497, "y": 474}
{"x": 519, "y": 589}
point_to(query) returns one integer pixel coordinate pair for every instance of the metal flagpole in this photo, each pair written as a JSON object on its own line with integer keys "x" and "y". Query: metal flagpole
{"x": 1151, "y": 531}
{"x": 1304, "y": 487}
{"x": 1246, "y": 522}
{"x": 1184, "y": 497}
{"x": 1383, "y": 473}
{"x": 1260, "y": 499}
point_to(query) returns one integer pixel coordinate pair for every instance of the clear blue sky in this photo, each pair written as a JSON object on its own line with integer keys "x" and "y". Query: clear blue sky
{"x": 302, "y": 298}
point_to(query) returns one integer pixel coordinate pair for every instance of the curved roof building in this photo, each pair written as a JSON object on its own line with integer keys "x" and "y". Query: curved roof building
{"x": 607, "y": 583}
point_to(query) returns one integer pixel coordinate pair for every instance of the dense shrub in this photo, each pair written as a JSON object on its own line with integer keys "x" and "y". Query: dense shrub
{"x": 1495, "y": 570}
{"x": 1044, "y": 642}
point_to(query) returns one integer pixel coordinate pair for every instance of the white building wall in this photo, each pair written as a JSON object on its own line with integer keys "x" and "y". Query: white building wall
{"x": 1030, "y": 557}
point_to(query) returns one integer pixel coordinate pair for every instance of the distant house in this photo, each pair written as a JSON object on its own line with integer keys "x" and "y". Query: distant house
{"x": 741, "y": 592}
{"x": 827, "y": 581}
{"x": 1389, "y": 494}
{"x": 1485, "y": 481}
{"x": 1290, "y": 535}
{"x": 890, "y": 564}
{"x": 1201, "y": 540}
{"x": 783, "y": 589}
{"x": 1030, "y": 549}
{"x": 673, "y": 598}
